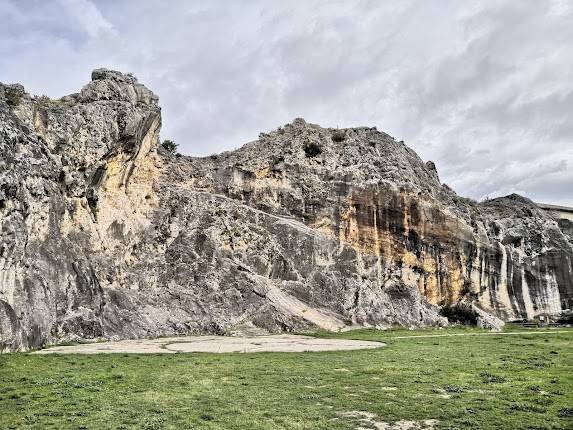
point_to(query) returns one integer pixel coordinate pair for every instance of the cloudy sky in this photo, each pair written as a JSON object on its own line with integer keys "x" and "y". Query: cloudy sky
{"x": 484, "y": 88}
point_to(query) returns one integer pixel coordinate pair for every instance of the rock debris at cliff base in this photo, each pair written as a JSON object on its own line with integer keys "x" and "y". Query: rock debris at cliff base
{"x": 106, "y": 235}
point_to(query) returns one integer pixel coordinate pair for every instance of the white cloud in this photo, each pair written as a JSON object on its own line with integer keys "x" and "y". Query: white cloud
{"x": 485, "y": 89}
{"x": 87, "y": 16}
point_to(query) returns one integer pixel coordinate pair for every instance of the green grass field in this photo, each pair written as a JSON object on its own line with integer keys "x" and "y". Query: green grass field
{"x": 522, "y": 381}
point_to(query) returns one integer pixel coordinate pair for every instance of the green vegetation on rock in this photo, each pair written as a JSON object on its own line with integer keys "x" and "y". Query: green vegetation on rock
{"x": 13, "y": 97}
{"x": 170, "y": 146}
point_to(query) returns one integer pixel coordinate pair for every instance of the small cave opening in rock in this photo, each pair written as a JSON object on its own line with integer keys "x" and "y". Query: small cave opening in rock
{"x": 92, "y": 203}
{"x": 312, "y": 149}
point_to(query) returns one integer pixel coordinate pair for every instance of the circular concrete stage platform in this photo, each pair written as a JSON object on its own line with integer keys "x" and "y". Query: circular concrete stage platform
{"x": 217, "y": 344}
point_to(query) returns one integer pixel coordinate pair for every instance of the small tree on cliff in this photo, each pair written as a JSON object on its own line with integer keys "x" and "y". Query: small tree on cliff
{"x": 170, "y": 146}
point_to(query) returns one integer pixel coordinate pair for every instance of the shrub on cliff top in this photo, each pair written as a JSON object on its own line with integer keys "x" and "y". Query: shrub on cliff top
{"x": 338, "y": 136}
{"x": 13, "y": 98}
{"x": 170, "y": 146}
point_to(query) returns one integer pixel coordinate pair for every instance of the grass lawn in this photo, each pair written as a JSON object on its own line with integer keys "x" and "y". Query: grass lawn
{"x": 521, "y": 381}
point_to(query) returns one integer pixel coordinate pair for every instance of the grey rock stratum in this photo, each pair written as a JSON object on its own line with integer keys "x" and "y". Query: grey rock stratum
{"x": 103, "y": 234}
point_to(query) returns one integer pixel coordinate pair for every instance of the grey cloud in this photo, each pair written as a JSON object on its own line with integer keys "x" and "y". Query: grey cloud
{"x": 484, "y": 89}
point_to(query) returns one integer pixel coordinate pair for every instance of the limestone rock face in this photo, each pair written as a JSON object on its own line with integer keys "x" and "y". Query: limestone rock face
{"x": 105, "y": 234}
{"x": 76, "y": 190}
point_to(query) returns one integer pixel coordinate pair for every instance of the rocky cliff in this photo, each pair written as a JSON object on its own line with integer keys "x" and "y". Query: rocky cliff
{"x": 105, "y": 234}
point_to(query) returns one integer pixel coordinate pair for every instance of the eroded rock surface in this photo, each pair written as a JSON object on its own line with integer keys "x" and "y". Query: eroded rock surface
{"x": 104, "y": 234}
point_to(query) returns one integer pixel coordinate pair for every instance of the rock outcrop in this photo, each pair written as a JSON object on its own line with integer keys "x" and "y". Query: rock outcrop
{"x": 105, "y": 234}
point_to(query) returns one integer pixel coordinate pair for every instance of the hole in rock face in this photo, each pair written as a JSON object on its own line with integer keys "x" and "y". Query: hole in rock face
{"x": 312, "y": 149}
{"x": 92, "y": 203}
